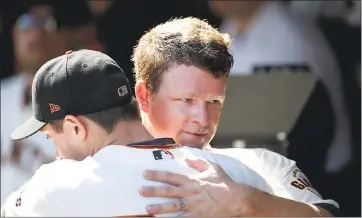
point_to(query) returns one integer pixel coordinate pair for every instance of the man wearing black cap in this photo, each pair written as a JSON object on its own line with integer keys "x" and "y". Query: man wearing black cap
{"x": 74, "y": 94}
{"x": 82, "y": 101}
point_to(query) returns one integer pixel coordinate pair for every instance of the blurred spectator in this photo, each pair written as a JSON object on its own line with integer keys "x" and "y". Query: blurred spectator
{"x": 7, "y": 17}
{"x": 73, "y": 18}
{"x": 98, "y": 8}
{"x": 79, "y": 23}
{"x": 266, "y": 35}
{"x": 36, "y": 40}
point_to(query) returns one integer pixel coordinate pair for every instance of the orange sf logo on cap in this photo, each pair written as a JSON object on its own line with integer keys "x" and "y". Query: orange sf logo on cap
{"x": 54, "y": 108}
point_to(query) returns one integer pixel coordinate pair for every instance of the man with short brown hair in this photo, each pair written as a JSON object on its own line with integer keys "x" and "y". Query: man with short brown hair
{"x": 175, "y": 49}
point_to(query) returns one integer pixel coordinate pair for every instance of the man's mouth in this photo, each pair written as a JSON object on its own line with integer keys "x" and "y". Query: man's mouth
{"x": 198, "y": 134}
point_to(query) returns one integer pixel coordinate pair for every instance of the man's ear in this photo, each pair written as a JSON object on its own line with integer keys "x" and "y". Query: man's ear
{"x": 75, "y": 128}
{"x": 142, "y": 95}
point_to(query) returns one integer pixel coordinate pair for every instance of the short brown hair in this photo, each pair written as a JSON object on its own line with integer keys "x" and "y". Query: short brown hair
{"x": 187, "y": 41}
{"x": 108, "y": 118}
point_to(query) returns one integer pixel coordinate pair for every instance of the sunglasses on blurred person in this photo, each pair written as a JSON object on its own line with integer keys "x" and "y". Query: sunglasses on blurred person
{"x": 29, "y": 21}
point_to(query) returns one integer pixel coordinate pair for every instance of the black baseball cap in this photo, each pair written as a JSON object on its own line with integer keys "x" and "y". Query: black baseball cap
{"x": 76, "y": 83}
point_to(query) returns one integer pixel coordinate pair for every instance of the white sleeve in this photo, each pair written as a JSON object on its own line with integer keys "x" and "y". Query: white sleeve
{"x": 32, "y": 199}
{"x": 3, "y": 214}
{"x": 13, "y": 206}
{"x": 287, "y": 180}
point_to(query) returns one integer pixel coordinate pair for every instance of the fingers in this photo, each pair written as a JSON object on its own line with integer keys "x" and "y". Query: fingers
{"x": 167, "y": 177}
{"x": 216, "y": 166}
{"x": 170, "y": 207}
{"x": 198, "y": 164}
{"x": 168, "y": 191}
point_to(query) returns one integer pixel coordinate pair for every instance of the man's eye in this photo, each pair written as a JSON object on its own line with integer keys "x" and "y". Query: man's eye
{"x": 186, "y": 99}
{"x": 215, "y": 102}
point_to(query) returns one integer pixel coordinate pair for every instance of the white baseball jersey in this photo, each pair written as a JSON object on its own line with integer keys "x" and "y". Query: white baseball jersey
{"x": 108, "y": 183}
{"x": 282, "y": 175}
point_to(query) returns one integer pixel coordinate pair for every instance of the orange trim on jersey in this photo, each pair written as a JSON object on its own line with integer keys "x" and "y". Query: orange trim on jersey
{"x": 169, "y": 153}
{"x": 163, "y": 147}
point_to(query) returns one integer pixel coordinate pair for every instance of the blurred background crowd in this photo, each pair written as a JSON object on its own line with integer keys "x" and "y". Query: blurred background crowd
{"x": 320, "y": 38}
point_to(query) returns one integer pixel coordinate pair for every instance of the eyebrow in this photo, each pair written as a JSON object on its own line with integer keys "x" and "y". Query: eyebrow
{"x": 192, "y": 94}
{"x": 219, "y": 98}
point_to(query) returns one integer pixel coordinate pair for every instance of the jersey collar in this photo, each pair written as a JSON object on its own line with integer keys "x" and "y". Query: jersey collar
{"x": 158, "y": 141}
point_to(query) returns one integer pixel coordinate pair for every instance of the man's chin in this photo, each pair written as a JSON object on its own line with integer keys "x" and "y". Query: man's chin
{"x": 193, "y": 140}
{"x": 194, "y": 144}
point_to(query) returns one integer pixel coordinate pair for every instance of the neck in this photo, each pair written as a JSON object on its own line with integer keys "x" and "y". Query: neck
{"x": 29, "y": 69}
{"x": 30, "y": 78}
{"x": 243, "y": 21}
{"x": 127, "y": 132}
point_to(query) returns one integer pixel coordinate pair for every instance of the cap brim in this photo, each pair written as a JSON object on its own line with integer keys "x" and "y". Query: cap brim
{"x": 27, "y": 129}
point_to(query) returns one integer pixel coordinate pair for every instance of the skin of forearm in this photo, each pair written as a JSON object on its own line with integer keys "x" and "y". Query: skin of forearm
{"x": 264, "y": 204}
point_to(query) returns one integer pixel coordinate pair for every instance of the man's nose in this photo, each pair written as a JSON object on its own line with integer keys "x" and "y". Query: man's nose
{"x": 36, "y": 33}
{"x": 201, "y": 115}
